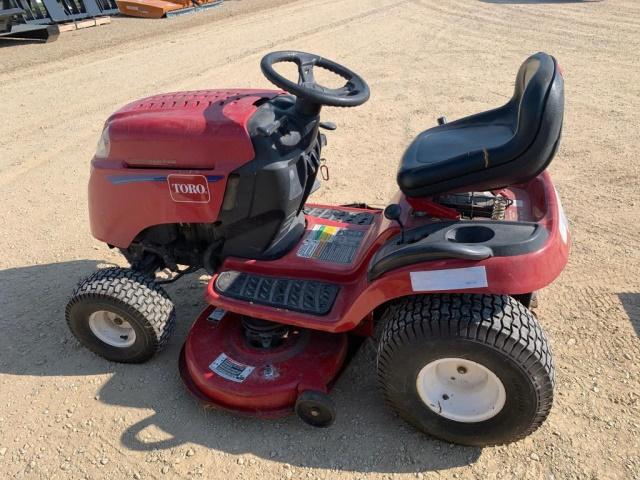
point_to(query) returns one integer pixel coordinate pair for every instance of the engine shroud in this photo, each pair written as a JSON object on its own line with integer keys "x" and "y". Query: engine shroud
{"x": 186, "y": 130}
{"x": 195, "y": 176}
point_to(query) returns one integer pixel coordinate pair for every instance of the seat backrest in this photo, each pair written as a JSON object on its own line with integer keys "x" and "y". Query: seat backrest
{"x": 537, "y": 110}
{"x": 528, "y": 130}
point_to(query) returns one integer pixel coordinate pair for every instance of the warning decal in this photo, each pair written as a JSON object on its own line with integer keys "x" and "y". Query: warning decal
{"x": 331, "y": 244}
{"x": 450, "y": 279}
{"x": 228, "y": 368}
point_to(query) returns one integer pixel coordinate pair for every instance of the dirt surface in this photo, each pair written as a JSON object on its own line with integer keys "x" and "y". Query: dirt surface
{"x": 65, "y": 413}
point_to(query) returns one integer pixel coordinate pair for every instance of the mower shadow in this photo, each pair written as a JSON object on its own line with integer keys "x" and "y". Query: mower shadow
{"x": 531, "y": 2}
{"x": 365, "y": 438}
{"x": 35, "y": 339}
{"x": 7, "y": 42}
{"x": 631, "y": 304}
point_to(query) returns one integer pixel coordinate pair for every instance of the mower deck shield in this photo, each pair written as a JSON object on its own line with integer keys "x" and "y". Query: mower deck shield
{"x": 222, "y": 369}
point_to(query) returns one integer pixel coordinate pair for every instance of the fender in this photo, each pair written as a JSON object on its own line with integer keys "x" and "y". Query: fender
{"x": 359, "y": 296}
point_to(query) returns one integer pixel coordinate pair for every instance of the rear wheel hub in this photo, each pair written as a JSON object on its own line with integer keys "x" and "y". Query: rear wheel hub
{"x": 461, "y": 390}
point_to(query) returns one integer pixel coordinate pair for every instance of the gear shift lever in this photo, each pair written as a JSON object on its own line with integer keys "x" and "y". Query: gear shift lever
{"x": 393, "y": 212}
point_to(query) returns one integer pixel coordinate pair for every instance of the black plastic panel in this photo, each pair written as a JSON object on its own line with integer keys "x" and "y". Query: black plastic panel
{"x": 306, "y": 296}
{"x": 467, "y": 240}
{"x": 344, "y": 216}
{"x": 262, "y": 215}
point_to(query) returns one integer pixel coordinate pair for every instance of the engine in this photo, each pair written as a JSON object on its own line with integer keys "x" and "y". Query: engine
{"x": 191, "y": 178}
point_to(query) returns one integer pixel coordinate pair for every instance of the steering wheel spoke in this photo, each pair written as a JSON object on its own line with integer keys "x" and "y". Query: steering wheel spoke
{"x": 305, "y": 74}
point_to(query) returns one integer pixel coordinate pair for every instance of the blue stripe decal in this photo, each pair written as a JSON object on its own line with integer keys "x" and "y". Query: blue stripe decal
{"x": 123, "y": 179}
{"x": 132, "y": 179}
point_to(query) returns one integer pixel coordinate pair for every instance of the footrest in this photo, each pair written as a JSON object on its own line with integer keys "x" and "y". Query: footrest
{"x": 306, "y": 296}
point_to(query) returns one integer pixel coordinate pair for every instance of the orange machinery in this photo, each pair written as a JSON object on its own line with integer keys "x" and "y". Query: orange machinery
{"x": 162, "y": 8}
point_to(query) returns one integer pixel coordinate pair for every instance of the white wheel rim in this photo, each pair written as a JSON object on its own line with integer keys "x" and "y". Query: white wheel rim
{"x": 112, "y": 329}
{"x": 461, "y": 390}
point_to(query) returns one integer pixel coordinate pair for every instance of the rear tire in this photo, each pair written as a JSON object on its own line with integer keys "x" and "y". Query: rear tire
{"x": 470, "y": 369}
{"x": 121, "y": 315}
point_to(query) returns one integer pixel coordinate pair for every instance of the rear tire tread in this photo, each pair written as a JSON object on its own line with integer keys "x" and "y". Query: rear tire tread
{"x": 496, "y": 321}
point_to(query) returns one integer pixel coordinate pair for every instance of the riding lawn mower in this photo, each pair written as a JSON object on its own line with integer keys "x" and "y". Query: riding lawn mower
{"x": 443, "y": 279}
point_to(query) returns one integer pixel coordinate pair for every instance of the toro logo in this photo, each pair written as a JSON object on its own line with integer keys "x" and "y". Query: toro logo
{"x": 189, "y": 188}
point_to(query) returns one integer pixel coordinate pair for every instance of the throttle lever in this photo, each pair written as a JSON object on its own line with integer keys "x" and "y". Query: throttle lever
{"x": 328, "y": 125}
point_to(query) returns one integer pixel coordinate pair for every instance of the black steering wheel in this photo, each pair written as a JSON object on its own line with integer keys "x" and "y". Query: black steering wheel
{"x": 354, "y": 92}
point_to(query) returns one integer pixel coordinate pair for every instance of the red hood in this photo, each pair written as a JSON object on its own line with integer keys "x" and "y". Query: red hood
{"x": 186, "y": 130}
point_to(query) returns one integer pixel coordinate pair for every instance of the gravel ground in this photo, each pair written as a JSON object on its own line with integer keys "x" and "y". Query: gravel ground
{"x": 65, "y": 413}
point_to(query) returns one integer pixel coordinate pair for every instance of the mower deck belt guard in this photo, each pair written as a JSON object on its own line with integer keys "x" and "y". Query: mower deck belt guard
{"x": 305, "y": 296}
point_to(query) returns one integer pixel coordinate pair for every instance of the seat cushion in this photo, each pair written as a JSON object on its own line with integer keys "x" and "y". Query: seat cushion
{"x": 493, "y": 149}
{"x": 442, "y": 153}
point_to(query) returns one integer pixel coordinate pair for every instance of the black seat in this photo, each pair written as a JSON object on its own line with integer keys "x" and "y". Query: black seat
{"x": 493, "y": 149}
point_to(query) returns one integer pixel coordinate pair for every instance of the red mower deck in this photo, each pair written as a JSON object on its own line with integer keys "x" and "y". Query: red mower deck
{"x": 220, "y": 368}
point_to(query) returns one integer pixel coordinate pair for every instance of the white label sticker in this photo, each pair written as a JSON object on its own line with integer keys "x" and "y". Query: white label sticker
{"x": 562, "y": 220}
{"x": 228, "y": 368}
{"x": 451, "y": 279}
{"x": 217, "y": 315}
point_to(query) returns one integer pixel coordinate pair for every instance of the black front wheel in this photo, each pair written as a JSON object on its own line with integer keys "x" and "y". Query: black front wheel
{"x": 315, "y": 408}
{"x": 121, "y": 315}
{"x": 470, "y": 369}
